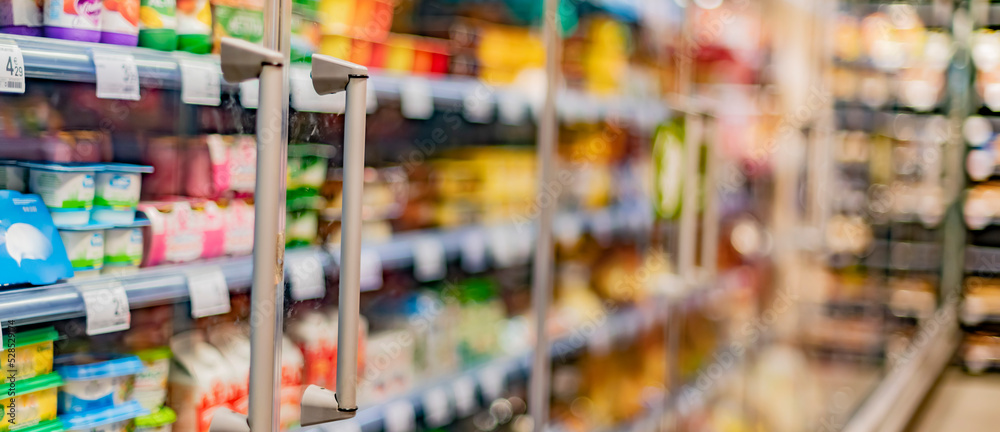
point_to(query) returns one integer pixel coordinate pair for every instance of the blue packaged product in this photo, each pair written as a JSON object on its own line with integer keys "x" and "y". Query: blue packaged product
{"x": 95, "y": 381}
{"x": 31, "y": 250}
{"x": 111, "y": 419}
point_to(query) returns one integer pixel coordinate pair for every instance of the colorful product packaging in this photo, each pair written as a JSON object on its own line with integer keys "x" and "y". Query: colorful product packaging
{"x": 200, "y": 381}
{"x": 21, "y": 17}
{"x": 78, "y": 20}
{"x": 151, "y": 384}
{"x": 30, "y": 401}
{"x": 32, "y": 352}
{"x": 158, "y": 24}
{"x": 160, "y": 420}
{"x": 238, "y": 19}
{"x": 117, "y": 418}
{"x": 94, "y": 382}
{"x": 117, "y": 192}
{"x": 123, "y": 248}
{"x": 120, "y": 22}
{"x": 85, "y": 248}
{"x": 194, "y": 26}
{"x": 32, "y": 251}
{"x": 67, "y": 189}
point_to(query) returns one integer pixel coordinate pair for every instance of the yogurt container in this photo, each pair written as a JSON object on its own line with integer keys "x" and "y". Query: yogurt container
{"x": 21, "y": 17}
{"x": 85, "y": 248}
{"x": 96, "y": 381}
{"x": 32, "y": 352}
{"x": 116, "y": 192}
{"x": 194, "y": 26}
{"x": 158, "y": 24}
{"x": 67, "y": 189}
{"x": 123, "y": 248}
{"x": 120, "y": 22}
{"x": 161, "y": 420}
{"x": 78, "y": 20}
{"x": 119, "y": 418}
{"x": 30, "y": 401}
{"x": 13, "y": 176}
{"x": 151, "y": 384}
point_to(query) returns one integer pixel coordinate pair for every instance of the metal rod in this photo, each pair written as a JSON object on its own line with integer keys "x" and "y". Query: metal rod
{"x": 350, "y": 244}
{"x": 541, "y": 286}
{"x": 267, "y": 294}
{"x": 689, "y": 205}
{"x": 710, "y": 218}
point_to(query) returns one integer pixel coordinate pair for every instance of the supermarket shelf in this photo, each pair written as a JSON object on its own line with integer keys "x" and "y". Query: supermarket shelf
{"x": 620, "y": 326}
{"x": 63, "y": 60}
{"x": 897, "y": 397}
{"x": 168, "y": 284}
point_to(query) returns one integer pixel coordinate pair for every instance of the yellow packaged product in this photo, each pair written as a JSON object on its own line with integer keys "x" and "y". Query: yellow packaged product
{"x": 30, "y": 401}
{"x": 29, "y": 353}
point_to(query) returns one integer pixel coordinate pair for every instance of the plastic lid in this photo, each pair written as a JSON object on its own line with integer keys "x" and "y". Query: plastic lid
{"x": 88, "y": 227}
{"x": 24, "y": 338}
{"x": 92, "y": 419}
{"x": 83, "y": 366}
{"x": 46, "y": 426}
{"x": 122, "y": 167}
{"x": 31, "y": 385}
{"x": 160, "y": 417}
{"x": 153, "y": 354}
{"x": 65, "y": 167}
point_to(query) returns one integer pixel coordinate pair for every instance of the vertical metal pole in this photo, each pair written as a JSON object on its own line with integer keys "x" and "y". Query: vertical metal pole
{"x": 350, "y": 243}
{"x": 268, "y": 290}
{"x": 689, "y": 205}
{"x": 541, "y": 287}
{"x": 710, "y": 218}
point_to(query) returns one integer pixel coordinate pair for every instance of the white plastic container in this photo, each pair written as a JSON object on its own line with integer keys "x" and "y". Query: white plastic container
{"x": 66, "y": 189}
{"x": 123, "y": 247}
{"x": 116, "y": 193}
{"x": 13, "y": 176}
{"x": 85, "y": 249}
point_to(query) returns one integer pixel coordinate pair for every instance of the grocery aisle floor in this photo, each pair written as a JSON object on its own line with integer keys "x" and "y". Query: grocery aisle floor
{"x": 961, "y": 402}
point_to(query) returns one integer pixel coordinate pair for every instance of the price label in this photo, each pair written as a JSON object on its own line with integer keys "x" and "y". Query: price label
{"x": 250, "y": 94}
{"x": 117, "y": 76}
{"x": 416, "y": 99}
{"x": 208, "y": 290}
{"x": 437, "y": 410}
{"x": 305, "y": 98}
{"x": 474, "y": 252}
{"x": 429, "y": 260}
{"x": 201, "y": 83}
{"x": 400, "y": 417}
{"x": 107, "y": 308}
{"x": 492, "y": 380}
{"x": 477, "y": 105}
{"x": 567, "y": 229}
{"x": 465, "y": 396}
{"x": 371, "y": 270}
{"x": 306, "y": 276}
{"x": 349, "y": 425}
{"x": 513, "y": 109}
{"x": 12, "y": 74}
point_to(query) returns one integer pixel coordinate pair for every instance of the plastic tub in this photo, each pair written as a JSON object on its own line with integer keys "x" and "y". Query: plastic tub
{"x": 32, "y": 352}
{"x": 66, "y": 189}
{"x": 161, "y": 420}
{"x": 31, "y": 401}
{"x": 111, "y": 419}
{"x": 96, "y": 381}
{"x": 85, "y": 248}
{"x": 151, "y": 384}
{"x": 116, "y": 193}
{"x": 123, "y": 248}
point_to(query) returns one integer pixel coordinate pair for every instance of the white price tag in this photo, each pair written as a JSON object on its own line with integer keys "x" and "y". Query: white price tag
{"x": 474, "y": 251}
{"x": 400, "y": 417}
{"x": 513, "y": 109}
{"x": 250, "y": 94}
{"x": 117, "y": 76}
{"x": 477, "y": 106}
{"x": 305, "y": 98}
{"x": 429, "y": 260}
{"x": 107, "y": 308}
{"x": 371, "y": 270}
{"x": 11, "y": 69}
{"x": 437, "y": 410}
{"x": 208, "y": 290}
{"x": 201, "y": 82}
{"x": 567, "y": 229}
{"x": 503, "y": 247}
{"x": 416, "y": 99}
{"x": 493, "y": 380}
{"x": 465, "y": 396}
{"x": 306, "y": 276}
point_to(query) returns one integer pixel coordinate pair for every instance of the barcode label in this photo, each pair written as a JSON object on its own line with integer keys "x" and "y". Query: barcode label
{"x": 11, "y": 69}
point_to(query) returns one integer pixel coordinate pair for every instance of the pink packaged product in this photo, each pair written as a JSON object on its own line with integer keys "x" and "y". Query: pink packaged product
{"x": 174, "y": 234}
{"x": 22, "y": 17}
{"x": 164, "y": 155}
{"x": 219, "y": 164}
{"x": 211, "y": 221}
{"x": 60, "y": 147}
{"x": 239, "y": 227}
